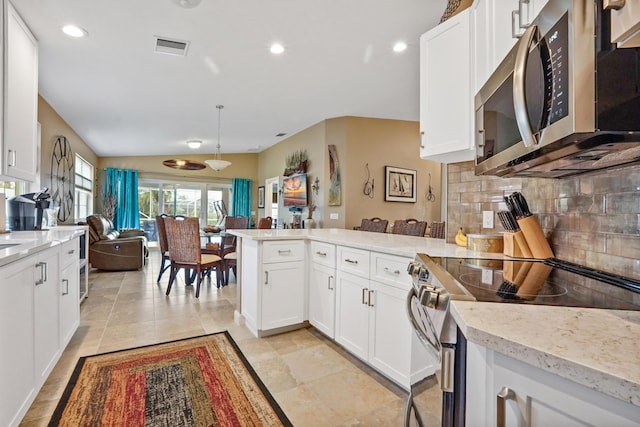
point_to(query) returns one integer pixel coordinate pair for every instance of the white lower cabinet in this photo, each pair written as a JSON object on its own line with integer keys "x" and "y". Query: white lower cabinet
{"x": 273, "y": 284}
{"x": 322, "y": 287}
{"x": 69, "y": 290}
{"x": 47, "y": 313}
{"x": 352, "y": 313}
{"x": 371, "y": 316}
{"x": 36, "y": 323}
{"x": 17, "y": 357}
{"x": 322, "y": 298}
{"x": 533, "y": 397}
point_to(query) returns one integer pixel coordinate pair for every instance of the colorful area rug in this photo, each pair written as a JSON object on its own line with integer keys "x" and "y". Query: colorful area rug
{"x": 203, "y": 381}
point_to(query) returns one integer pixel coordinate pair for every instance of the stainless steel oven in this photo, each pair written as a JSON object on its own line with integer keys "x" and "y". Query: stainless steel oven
{"x": 439, "y": 281}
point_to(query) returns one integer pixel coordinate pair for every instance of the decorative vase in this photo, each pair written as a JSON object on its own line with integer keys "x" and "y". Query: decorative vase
{"x": 309, "y": 223}
{"x": 454, "y": 7}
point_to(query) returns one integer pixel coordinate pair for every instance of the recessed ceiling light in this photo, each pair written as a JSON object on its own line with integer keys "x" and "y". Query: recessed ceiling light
{"x": 276, "y": 48}
{"x": 73, "y": 31}
{"x": 399, "y": 47}
{"x": 194, "y": 143}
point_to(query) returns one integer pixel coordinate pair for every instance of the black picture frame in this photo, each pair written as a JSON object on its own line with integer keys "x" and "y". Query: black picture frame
{"x": 400, "y": 184}
{"x": 261, "y": 197}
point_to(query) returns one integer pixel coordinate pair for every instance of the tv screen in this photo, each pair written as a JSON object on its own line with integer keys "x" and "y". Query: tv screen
{"x": 295, "y": 190}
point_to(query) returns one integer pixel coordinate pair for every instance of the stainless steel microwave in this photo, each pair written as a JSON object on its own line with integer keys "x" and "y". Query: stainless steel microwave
{"x": 564, "y": 101}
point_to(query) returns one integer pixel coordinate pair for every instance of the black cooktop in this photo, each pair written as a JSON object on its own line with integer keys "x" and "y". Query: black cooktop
{"x": 543, "y": 282}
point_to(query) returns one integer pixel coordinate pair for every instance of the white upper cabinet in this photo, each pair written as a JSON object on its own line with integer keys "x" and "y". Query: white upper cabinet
{"x": 20, "y": 95}
{"x": 497, "y": 26}
{"x": 446, "y": 113}
{"x": 625, "y": 25}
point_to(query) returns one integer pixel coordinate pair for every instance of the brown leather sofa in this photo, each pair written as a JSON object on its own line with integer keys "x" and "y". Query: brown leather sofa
{"x": 110, "y": 249}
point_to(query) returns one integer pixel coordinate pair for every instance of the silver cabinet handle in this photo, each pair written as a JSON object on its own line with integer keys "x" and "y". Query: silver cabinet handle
{"x": 321, "y": 253}
{"x": 280, "y": 251}
{"x": 329, "y": 279}
{"x": 521, "y": 8}
{"x": 501, "y": 398}
{"x": 71, "y": 252}
{"x": 369, "y": 299}
{"x": 364, "y": 291}
{"x": 394, "y": 272}
{"x": 266, "y": 277}
{"x": 43, "y": 273}
{"x": 12, "y": 158}
{"x": 351, "y": 261}
{"x": 67, "y": 283}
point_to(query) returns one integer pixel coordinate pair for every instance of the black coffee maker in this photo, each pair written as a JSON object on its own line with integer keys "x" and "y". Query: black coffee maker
{"x": 25, "y": 210}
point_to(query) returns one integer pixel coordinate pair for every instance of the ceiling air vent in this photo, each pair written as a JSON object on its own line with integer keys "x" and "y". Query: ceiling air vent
{"x": 171, "y": 46}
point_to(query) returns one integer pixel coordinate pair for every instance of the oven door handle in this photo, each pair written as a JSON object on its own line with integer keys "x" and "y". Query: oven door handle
{"x": 519, "y": 80}
{"x": 434, "y": 348}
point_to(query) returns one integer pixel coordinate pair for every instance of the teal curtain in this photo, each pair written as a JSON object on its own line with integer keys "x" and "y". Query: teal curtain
{"x": 241, "y": 197}
{"x": 123, "y": 183}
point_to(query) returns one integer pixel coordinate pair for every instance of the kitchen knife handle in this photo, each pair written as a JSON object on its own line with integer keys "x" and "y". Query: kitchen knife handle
{"x": 501, "y": 400}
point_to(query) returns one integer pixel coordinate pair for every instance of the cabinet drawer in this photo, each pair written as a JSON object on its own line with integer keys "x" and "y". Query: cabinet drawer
{"x": 354, "y": 261}
{"x": 323, "y": 253}
{"x": 282, "y": 251}
{"x": 69, "y": 252}
{"x": 390, "y": 269}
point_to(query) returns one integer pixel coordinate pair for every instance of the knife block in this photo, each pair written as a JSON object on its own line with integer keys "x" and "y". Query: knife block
{"x": 535, "y": 238}
{"x": 515, "y": 245}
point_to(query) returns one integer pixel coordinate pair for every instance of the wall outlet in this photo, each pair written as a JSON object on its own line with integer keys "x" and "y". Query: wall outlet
{"x": 333, "y": 216}
{"x": 487, "y": 219}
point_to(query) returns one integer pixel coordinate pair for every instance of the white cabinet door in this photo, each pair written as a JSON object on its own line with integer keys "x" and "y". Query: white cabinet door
{"x": 282, "y": 295}
{"x": 625, "y": 25}
{"x": 17, "y": 357}
{"x": 390, "y": 332}
{"x": 322, "y": 298}
{"x": 538, "y": 398}
{"x": 352, "y": 313}
{"x": 20, "y": 100}
{"x": 69, "y": 292}
{"x": 446, "y": 109}
{"x": 46, "y": 304}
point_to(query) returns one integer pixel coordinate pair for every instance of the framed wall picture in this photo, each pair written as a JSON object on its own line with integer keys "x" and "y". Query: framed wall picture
{"x": 261, "y": 197}
{"x": 399, "y": 184}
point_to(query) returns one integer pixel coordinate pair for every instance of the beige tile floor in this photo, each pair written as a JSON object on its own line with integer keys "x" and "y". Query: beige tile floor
{"x": 314, "y": 381}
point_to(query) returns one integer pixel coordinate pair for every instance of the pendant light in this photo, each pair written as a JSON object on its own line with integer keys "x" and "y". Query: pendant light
{"x": 218, "y": 164}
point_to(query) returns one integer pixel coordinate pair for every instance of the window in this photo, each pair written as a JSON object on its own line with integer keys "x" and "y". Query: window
{"x": 83, "y": 189}
{"x": 204, "y": 201}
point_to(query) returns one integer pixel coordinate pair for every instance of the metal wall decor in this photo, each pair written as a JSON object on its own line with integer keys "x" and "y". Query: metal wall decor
{"x": 62, "y": 174}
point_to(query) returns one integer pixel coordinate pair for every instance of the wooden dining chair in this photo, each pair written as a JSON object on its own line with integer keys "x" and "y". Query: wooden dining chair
{"x": 410, "y": 227}
{"x": 164, "y": 246}
{"x": 437, "y": 230}
{"x": 374, "y": 224}
{"x": 183, "y": 238}
{"x": 265, "y": 223}
{"x": 228, "y": 245}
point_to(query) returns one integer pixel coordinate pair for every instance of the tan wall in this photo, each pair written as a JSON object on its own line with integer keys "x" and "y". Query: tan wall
{"x": 272, "y": 162}
{"x": 52, "y": 126}
{"x": 381, "y": 143}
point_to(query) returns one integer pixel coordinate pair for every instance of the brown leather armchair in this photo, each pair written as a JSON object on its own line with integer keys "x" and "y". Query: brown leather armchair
{"x": 110, "y": 249}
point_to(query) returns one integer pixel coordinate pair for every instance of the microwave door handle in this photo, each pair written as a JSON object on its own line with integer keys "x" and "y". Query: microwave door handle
{"x": 519, "y": 79}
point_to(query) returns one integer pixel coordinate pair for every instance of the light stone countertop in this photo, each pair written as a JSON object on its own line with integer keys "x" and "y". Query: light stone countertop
{"x": 394, "y": 244}
{"x": 25, "y": 243}
{"x": 597, "y": 348}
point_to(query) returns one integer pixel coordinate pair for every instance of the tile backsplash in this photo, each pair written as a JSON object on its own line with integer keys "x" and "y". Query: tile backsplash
{"x": 590, "y": 219}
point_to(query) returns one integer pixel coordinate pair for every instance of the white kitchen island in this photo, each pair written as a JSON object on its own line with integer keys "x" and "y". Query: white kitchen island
{"x": 585, "y": 356}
